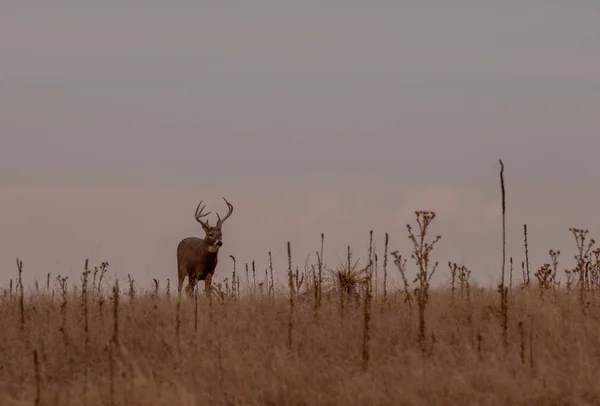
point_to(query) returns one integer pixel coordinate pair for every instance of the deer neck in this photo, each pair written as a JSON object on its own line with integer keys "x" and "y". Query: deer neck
{"x": 209, "y": 256}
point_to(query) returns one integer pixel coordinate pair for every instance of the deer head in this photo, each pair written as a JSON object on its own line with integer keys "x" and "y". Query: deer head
{"x": 214, "y": 236}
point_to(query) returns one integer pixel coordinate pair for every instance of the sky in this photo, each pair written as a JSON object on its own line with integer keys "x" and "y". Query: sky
{"x": 334, "y": 117}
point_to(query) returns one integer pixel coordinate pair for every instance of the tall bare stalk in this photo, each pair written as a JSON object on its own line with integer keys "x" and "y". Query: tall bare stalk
{"x": 320, "y": 259}
{"x": 385, "y": 275}
{"x": 21, "y": 294}
{"x": 501, "y": 288}
{"x": 315, "y": 289}
{"x": 510, "y": 278}
{"x": 421, "y": 253}
{"x": 84, "y": 302}
{"x": 233, "y": 276}
{"x": 400, "y": 263}
{"x": 368, "y": 284}
{"x": 253, "y": 278}
{"x": 527, "y": 278}
{"x": 155, "y": 295}
{"x": 291, "y": 285}
{"x": 271, "y": 284}
{"x": 86, "y": 330}
{"x": 131, "y": 289}
{"x": 115, "y": 336}
{"x": 63, "y": 306}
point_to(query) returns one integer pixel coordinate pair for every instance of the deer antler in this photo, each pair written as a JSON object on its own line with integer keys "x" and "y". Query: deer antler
{"x": 199, "y": 214}
{"x": 221, "y": 221}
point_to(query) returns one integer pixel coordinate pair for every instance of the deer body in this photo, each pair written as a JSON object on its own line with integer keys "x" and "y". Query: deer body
{"x": 197, "y": 258}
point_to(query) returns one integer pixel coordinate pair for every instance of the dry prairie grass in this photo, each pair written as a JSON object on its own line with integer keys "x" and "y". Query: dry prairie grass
{"x": 242, "y": 356}
{"x": 330, "y": 337}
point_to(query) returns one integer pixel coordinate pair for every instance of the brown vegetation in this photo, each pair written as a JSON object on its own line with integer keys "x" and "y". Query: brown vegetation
{"x": 321, "y": 338}
{"x": 60, "y": 347}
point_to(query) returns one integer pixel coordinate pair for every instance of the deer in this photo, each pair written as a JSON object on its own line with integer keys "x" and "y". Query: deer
{"x": 197, "y": 258}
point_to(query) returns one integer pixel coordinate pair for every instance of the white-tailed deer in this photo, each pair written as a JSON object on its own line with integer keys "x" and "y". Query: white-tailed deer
{"x": 196, "y": 257}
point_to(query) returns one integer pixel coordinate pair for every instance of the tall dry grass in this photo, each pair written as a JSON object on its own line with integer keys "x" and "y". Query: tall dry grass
{"x": 328, "y": 337}
{"x": 243, "y": 356}
{"x": 459, "y": 344}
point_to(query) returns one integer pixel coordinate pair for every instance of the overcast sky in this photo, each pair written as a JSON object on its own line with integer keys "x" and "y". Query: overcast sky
{"x": 335, "y": 116}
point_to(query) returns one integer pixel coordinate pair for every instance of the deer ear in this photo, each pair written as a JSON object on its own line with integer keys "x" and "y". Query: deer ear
{"x": 206, "y": 227}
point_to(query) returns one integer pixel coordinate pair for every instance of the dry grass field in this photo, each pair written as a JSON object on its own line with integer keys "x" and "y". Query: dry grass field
{"x": 331, "y": 336}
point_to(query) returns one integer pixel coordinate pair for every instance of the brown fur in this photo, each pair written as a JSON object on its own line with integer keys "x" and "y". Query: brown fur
{"x": 197, "y": 258}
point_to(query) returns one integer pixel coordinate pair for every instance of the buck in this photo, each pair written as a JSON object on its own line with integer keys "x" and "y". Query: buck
{"x": 196, "y": 257}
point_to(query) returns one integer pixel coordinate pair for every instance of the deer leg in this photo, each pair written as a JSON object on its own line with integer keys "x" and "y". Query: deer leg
{"x": 181, "y": 277}
{"x": 191, "y": 285}
{"x": 207, "y": 284}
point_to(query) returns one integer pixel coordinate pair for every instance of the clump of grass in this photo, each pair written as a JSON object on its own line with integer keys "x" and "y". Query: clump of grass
{"x": 346, "y": 280}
